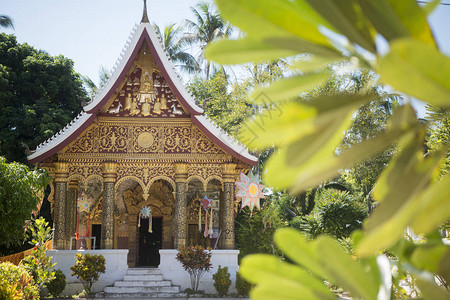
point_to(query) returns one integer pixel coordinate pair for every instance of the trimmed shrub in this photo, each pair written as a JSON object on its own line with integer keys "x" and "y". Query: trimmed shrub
{"x": 16, "y": 283}
{"x": 58, "y": 284}
{"x": 222, "y": 281}
{"x": 196, "y": 260}
{"x": 87, "y": 269}
{"x": 243, "y": 287}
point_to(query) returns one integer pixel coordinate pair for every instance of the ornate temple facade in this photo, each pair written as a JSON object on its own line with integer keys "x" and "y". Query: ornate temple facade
{"x": 142, "y": 141}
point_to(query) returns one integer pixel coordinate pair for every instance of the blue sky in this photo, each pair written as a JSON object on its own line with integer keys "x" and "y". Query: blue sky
{"x": 93, "y": 32}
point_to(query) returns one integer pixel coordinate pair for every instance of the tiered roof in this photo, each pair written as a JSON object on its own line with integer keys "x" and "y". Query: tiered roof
{"x": 142, "y": 33}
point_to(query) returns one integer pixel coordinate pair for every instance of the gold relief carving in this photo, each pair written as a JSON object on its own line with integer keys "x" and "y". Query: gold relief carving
{"x": 113, "y": 138}
{"x": 96, "y": 212}
{"x": 202, "y": 144}
{"x": 84, "y": 143}
{"x": 177, "y": 139}
{"x": 85, "y": 170}
{"x": 146, "y": 139}
{"x": 205, "y": 170}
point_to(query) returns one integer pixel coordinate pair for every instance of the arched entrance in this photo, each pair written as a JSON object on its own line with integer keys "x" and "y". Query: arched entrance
{"x": 143, "y": 245}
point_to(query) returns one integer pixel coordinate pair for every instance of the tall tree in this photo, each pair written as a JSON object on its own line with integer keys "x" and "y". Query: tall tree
{"x": 39, "y": 95}
{"x": 207, "y": 27}
{"x": 174, "y": 46}
{"x": 6, "y": 21}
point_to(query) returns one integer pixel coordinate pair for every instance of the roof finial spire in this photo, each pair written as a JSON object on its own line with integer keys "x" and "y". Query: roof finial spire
{"x": 144, "y": 15}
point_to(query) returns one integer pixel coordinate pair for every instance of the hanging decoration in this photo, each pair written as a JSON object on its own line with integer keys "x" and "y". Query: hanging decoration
{"x": 250, "y": 191}
{"x": 84, "y": 203}
{"x": 146, "y": 213}
{"x": 205, "y": 204}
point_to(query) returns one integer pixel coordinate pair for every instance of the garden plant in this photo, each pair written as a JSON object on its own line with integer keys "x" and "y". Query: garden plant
{"x": 88, "y": 268}
{"x": 222, "y": 281}
{"x": 38, "y": 264}
{"x": 196, "y": 260}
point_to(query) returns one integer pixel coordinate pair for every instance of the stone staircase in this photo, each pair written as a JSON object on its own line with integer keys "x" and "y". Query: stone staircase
{"x": 140, "y": 283}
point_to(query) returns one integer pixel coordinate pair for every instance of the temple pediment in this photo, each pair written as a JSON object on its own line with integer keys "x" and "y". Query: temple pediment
{"x": 144, "y": 90}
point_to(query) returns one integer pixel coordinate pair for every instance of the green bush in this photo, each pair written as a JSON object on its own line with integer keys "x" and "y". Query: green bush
{"x": 222, "y": 281}
{"x": 243, "y": 287}
{"x": 196, "y": 260}
{"x": 38, "y": 264}
{"x": 58, "y": 284}
{"x": 336, "y": 214}
{"x": 16, "y": 283}
{"x": 88, "y": 268}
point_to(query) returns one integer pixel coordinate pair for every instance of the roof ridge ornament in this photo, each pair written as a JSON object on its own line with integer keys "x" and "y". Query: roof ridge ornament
{"x": 144, "y": 14}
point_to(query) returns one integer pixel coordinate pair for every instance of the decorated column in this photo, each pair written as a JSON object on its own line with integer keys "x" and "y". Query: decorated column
{"x": 109, "y": 181}
{"x": 59, "y": 212}
{"x": 226, "y": 220}
{"x": 71, "y": 211}
{"x": 180, "y": 218}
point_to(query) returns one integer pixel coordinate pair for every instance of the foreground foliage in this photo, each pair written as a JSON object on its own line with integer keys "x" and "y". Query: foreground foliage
{"x": 316, "y": 33}
{"x": 21, "y": 191}
{"x": 16, "y": 283}
{"x": 87, "y": 269}
{"x": 38, "y": 264}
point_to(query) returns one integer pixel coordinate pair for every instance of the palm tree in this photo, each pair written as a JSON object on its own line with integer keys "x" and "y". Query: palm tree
{"x": 208, "y": 27}
{"x": 6, "y": 21}
{"x": 174, "y": 47}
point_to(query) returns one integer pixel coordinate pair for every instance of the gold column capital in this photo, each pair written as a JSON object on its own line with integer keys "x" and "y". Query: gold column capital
{"x": 181, "y": 172}
{"x": 228, "y": 172}
{"x": 109, "y": 169}
{"x": 61, "y": 171}
{"x": 73, "y": 184}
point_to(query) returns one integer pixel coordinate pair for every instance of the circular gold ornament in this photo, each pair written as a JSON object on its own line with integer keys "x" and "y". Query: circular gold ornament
{"x": 145, "y": 140}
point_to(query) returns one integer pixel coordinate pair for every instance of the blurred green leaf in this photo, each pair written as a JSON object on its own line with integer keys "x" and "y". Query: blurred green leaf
{"x": 342, "y": 270}
{"x": 435, "y": 207}
{"x": 269, "y": 272}
{"x": 302, "y": 46}
{"x": 298, "y": 249}
{"x": 417, "y": 69}
{"x": 347, "y": 18}
{"x": 398, "y": 19}
{"x": 277, "y": 126}
{"x": 428, "y": 257}
{"x": 400, "y": 204}
{"x": 430, "y": 6}
{"x": 274, "y": 18}
{"x": 290, "y": 87}
{"x": 431, "y": 291}
{"x": 230, "y": 52}
{"x": 313, "y": 63}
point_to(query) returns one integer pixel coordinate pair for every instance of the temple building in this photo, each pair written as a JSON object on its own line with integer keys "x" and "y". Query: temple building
{"x": 142, "y": 142}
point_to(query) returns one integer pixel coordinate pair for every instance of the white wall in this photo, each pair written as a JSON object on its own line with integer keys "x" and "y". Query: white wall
{"x": 172, "y": 269}
{"x": 116, "y": 268}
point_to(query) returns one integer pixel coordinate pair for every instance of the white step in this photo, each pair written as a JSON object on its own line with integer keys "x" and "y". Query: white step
{"x": 143, "y": 271}
{"x": 148, "y": 277}
{"x": 143, "y": 283}
{"x": 142, "y": 295}
{"x": 140, "y": 289}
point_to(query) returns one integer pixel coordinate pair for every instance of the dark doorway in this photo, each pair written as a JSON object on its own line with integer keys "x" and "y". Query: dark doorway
{"x": 150, "y": 243}
{"x": 97, "y": 232}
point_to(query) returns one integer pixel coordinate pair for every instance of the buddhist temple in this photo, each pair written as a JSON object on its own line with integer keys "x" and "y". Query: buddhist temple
{"x": 142, "y": 144}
